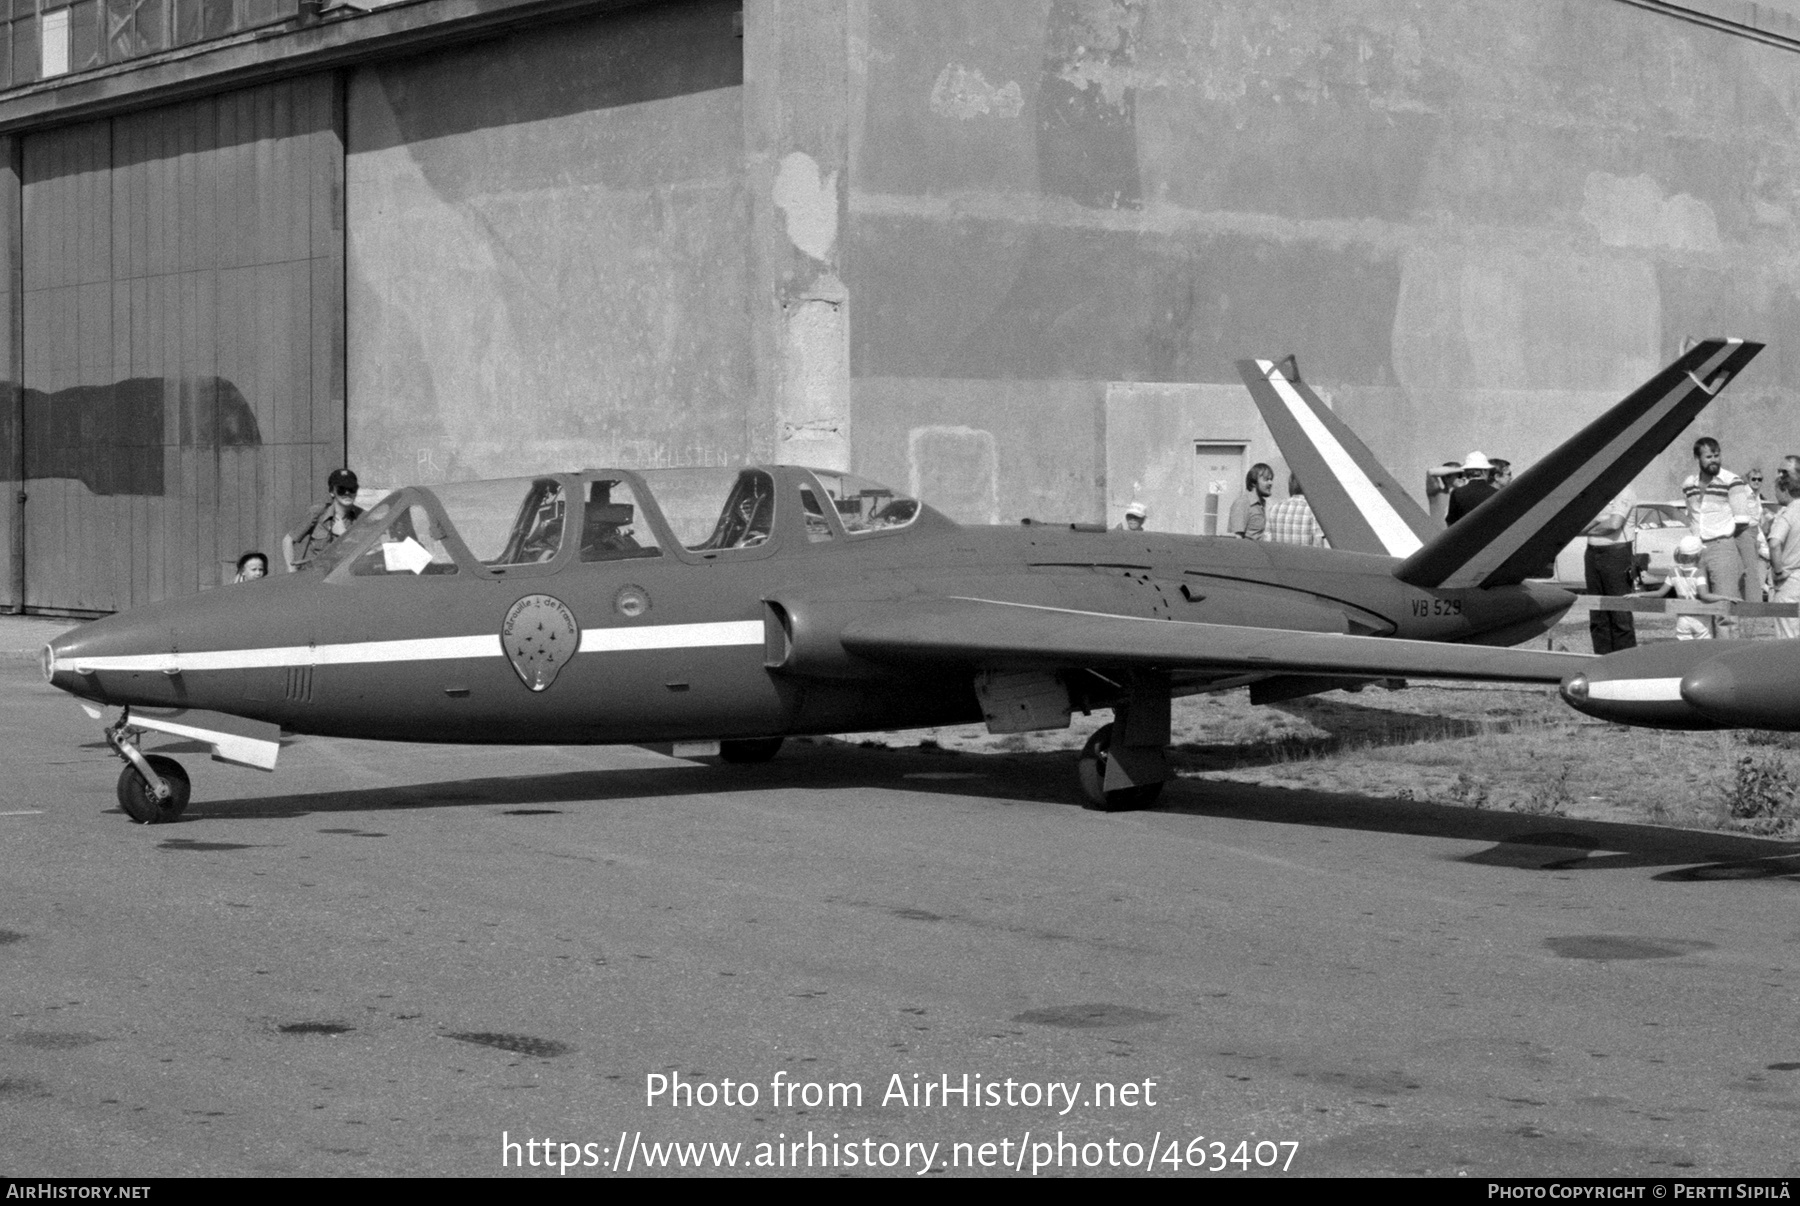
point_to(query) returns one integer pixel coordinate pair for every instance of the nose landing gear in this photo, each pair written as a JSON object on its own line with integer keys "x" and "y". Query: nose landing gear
{"x": 153, "y": 788}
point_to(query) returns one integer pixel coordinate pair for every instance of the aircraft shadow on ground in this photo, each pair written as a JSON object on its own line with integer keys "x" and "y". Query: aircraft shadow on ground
{"x": 1347, "y": 726}
{"x": 1556, "y": 844}
{"x": 1542, "y": 843}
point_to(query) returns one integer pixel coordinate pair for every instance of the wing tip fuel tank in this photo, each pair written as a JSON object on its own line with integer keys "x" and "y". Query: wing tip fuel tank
{"x": 1652, "y": 686}
{"x": 1755, "y": 688}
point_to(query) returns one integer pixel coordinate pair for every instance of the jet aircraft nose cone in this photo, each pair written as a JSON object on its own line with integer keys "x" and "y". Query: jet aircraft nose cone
{"x": 47, "y": 659}
{"x": 59, "y": 658}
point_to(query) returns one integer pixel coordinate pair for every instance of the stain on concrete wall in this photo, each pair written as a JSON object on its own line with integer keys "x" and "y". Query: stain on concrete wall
{"x": 1477, "y": 224}
{"x": 813, "y": 427}
{"x": 1306, "y": 111}
{"x": 1631, "y": 211}
{"x": 1047, "y": 456}
{"x": 957, "y": 466}
{"x": 1478, "y": 318}
{"x": 1087, "y": 103}
{"x": 547, "y": 251}
{"x": 808, "y": 199}
{"x": 966, "y": 94}
{"x": 946, "y": 294}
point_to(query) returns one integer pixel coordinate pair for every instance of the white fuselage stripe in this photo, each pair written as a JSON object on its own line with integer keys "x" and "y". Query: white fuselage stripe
{"x": 1636, "y": 690}
{"x": 671, "y": 636}
{"x": 426, "y": 649}
{"x": 1395, "y": 534}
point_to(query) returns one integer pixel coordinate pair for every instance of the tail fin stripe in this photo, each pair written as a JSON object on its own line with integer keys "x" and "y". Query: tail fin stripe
{"x": 1489, "y": 557}
{"x": 1395, "y": 534}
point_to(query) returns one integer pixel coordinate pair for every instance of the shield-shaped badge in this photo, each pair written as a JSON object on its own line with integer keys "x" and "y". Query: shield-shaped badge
{"x": 540, "y": 636}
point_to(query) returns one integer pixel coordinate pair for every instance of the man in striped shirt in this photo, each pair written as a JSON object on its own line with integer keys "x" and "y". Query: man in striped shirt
{"x": 1718, "y": 508}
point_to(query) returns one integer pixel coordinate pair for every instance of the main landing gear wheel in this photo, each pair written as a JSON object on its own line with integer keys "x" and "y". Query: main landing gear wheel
{"x": 750, "y": 749}
{"x": 141, "y": 804}
{"x": 1091, "y": 769}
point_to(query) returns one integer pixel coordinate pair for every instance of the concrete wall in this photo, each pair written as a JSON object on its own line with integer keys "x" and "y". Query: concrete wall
{"x": 1004, "y": 252}
{"x": 1476, "y": 224}
{"x": 548, "y": 246}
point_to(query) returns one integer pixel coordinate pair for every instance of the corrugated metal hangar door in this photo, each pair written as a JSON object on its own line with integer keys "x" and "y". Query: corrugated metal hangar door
{"x": 183, "y": 340}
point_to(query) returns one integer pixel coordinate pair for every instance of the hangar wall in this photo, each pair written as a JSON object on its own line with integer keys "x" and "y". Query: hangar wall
{"x": 1003, "y": 253}
{"x": 548, "y": 241}
{"x": 180, "y": 340}
{"x": 1475, "y": 224}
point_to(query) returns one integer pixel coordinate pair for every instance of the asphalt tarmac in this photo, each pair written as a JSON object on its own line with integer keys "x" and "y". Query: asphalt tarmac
{"x": 388, "y": 959}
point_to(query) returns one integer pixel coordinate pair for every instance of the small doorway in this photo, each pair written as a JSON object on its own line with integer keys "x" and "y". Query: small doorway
{"x": 1218, "y": 476}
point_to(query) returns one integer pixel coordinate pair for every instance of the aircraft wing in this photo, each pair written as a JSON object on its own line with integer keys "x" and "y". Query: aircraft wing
{"x": 987, "y": 631}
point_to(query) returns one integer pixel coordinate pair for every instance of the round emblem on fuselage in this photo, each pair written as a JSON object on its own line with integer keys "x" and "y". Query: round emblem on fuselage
{"x": 540, "y": 635}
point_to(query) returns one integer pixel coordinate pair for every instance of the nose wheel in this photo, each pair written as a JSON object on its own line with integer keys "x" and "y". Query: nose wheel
{"x": 153, "y": 788}
{"x": 139, "y": 799}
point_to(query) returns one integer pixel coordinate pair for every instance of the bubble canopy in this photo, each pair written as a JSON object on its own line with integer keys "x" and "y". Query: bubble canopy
{"x": 524, "y": 526}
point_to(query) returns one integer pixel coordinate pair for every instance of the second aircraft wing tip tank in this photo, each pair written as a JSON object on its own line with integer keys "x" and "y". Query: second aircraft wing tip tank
{"x": 747, "y": 604}
{"x": 1702, "y": 684}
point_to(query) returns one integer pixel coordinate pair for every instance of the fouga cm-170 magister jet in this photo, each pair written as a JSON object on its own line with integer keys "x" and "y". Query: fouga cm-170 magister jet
{"x": 746, "y": 605}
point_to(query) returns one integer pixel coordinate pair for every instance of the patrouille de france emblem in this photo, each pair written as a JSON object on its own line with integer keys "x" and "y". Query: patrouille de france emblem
{"x": 540, "y": 636}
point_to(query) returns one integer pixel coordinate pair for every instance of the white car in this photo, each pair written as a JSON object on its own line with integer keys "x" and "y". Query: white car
{"x": 1660, "y": 527}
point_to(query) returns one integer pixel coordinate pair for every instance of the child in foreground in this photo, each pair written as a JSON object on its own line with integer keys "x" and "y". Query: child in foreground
{"x": 1689, "y": 582}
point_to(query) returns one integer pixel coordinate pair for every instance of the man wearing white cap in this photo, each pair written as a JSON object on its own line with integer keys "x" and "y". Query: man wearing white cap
{"x": 1135, "y": 515}
{"x": 1475, "y": 490}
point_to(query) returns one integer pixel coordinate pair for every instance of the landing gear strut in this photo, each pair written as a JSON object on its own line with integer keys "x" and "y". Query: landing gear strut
{"x": 1123, "y": 765}
{"x": 153, "y": 789}
{"x": 1091, "y": 769}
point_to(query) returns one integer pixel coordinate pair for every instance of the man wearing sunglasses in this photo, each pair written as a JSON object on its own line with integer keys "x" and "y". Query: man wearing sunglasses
{"x": 325, "y": 523}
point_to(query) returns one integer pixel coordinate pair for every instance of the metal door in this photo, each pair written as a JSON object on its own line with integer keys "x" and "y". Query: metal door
{"x": 1218, "y": 476}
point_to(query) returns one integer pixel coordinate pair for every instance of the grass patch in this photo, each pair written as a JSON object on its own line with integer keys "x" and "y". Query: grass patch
{"x": 1502, "y": 748}
{"x": 1760, "y": 798}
